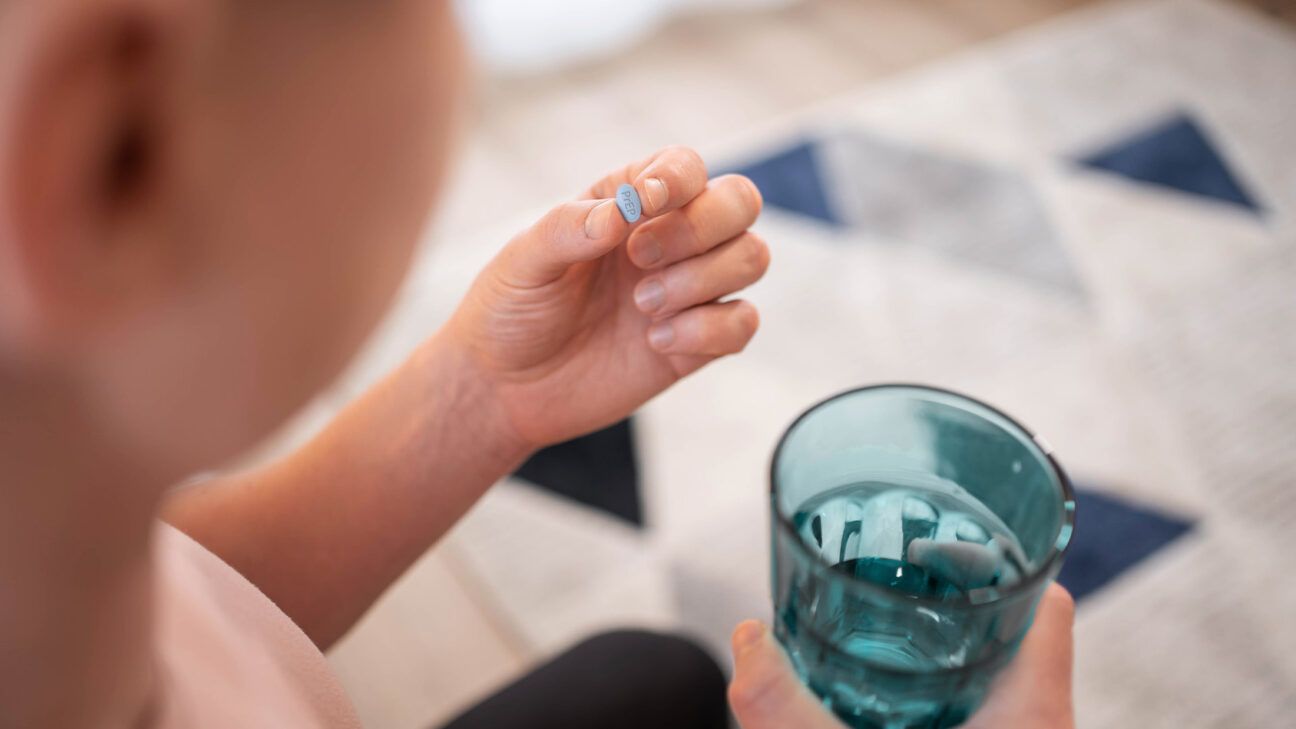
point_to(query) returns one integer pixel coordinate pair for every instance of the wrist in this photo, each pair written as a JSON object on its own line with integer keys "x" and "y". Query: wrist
{"x": 471, "y": 402}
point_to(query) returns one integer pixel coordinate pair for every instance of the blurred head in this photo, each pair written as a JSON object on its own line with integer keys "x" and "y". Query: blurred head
{"x": 205, "y": 205}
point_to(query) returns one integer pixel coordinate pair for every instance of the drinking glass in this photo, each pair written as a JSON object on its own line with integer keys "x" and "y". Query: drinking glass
{"x": 913, "y": 532}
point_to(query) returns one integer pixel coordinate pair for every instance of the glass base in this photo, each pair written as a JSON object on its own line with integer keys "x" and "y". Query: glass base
{"x": 867, "y": 699}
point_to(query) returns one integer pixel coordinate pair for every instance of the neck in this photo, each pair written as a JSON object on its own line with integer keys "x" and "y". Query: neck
{"x": 75, "y": 577}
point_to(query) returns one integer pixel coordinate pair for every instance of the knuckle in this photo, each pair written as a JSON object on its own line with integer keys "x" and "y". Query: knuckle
{"x": 690, "y": 158}
{"x": 756, "y": 691}
{"x": 547, "y": 228}
{"x": 746, "y": 695}
{"x": 744, "y": 191}
{"x": 555, "y": 224}
{"x": 695, "y": 232}
{"x": 739, "y": 695}
{"x": 674, "y": 169}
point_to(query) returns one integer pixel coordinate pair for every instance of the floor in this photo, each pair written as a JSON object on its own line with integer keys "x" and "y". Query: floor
{"x": 440, "y": 639}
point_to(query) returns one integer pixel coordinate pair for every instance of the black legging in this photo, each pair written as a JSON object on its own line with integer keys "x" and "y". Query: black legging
{"x": 621, "y": 680}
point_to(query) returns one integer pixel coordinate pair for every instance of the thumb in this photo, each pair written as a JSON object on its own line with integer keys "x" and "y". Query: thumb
{"x": 765, "y": 692}
{"x": 568, "y": 234}
{"x": 1035, "y": 690}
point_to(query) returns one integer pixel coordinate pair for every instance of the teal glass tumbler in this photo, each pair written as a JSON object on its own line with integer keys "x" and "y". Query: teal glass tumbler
{"x": 913, "y": 532}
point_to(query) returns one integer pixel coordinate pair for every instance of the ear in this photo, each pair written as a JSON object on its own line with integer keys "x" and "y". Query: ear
{"x": 86, "y": 100}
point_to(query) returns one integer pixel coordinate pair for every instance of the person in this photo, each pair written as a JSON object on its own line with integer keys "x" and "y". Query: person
{"x": 205, "y": 205}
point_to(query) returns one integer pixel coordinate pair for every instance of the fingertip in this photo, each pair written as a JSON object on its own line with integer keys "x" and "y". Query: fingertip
{"x": 676, "y": 175}
{"x": 655, "y": 194}
{"x": 645, "y": 249}
{"x": 569, "y": 233}
{"x": 756, "y": 677}
{"x": 748, "y": 317}
{"x": 758, "y": 198}
{"x": 760, "y": 254}
{"x": 661, "y": 336}
{"x": 715, "y": 330}
{"x": 1056, "y": 591}
{"x": 747, "y": 634}
{"x": 749, "y": 314}
{"x": 604, "y": 222}
{"x": 1047, "y": 648}
{"x": 1059, "y": 602}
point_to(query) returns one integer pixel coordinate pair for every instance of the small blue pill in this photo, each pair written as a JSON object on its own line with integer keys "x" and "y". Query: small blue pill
{"x": 627, "y": 201}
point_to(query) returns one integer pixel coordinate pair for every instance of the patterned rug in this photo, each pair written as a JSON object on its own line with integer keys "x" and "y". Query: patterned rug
{"x": 1090, "y": 224}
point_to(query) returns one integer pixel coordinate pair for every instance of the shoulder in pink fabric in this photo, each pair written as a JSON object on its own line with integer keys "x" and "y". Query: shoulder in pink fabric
{"x": 227, "y": 656}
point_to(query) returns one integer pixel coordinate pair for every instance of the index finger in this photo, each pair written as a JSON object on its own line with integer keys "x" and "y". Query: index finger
{"x": 666, "y": 180}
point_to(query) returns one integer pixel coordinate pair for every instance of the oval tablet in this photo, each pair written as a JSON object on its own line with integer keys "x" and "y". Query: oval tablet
{"x": 627, "y": 201}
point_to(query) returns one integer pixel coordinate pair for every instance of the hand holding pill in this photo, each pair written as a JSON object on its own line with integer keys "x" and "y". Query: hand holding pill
{"x": 609, "y": 299}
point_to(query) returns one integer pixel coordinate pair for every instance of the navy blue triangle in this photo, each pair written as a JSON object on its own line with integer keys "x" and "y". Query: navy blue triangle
{"x": 1112, "y": 535}
{"x": 1176, "y": 154}
{"x": 599, "y": 470}
{"x": 791, "y": 179}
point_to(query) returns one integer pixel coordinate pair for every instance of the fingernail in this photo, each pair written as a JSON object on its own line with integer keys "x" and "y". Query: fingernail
{"x": 648, "y": 251}
{"x": 655, "y": 190}
{"x": 598, "y": 219}
{"x": 650, "y": 295}
{"x": 748, "y": 634}
{"x": 661, "y": 335}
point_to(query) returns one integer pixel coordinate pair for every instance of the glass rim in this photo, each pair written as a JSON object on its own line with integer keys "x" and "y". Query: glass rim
{"x": 1060, "y": 543}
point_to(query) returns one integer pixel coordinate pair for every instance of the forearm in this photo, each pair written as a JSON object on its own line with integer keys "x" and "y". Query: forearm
{"x": 326, "y": 530}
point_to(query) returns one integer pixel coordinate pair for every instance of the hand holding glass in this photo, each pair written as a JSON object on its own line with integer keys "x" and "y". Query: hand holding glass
{"x": 914, "y": 531}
